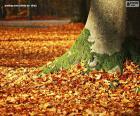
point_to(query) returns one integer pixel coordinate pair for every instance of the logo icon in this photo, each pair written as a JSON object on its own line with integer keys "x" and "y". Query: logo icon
{"x": 132, "y": 3}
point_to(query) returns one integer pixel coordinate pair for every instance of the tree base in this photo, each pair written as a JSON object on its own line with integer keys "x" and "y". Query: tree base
{"x": 106, "y": 63}
{"x": 81, "y": 52}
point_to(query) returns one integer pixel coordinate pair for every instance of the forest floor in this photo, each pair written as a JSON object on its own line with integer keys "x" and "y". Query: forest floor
{"x": 24, "y": 46}
{"x": 66, "y": 93}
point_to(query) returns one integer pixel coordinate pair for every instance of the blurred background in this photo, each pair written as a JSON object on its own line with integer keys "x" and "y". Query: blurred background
{"x": 76, "y": 10}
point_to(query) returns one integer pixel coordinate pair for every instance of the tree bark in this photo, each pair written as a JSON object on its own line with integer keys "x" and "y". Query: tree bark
{"x": 106, "y": 23}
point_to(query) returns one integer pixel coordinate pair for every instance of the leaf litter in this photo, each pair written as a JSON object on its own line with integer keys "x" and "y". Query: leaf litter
{"x": 69, "y": 92}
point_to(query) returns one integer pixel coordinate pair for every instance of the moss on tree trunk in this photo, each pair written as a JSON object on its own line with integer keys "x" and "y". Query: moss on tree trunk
{"x": 81, "y": 52}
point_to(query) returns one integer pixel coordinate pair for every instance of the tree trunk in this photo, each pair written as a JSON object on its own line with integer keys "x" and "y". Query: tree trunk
{"x": 133, "y": 33}
{"x": 2, "y": 10}
{"x": 100, "y": 45}
{"x": 29, "y": 10}
{"x": 106, "y": 23}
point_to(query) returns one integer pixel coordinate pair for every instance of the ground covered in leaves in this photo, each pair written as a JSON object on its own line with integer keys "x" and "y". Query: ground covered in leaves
{"x": 68, "y": 92}
{"x": 35, "y": 46}
{"x": 71, "y": 92}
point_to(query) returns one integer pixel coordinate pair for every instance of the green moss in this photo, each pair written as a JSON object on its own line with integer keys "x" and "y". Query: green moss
{"x": 107, "y": 62}
{"x": 80, "y": 51}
